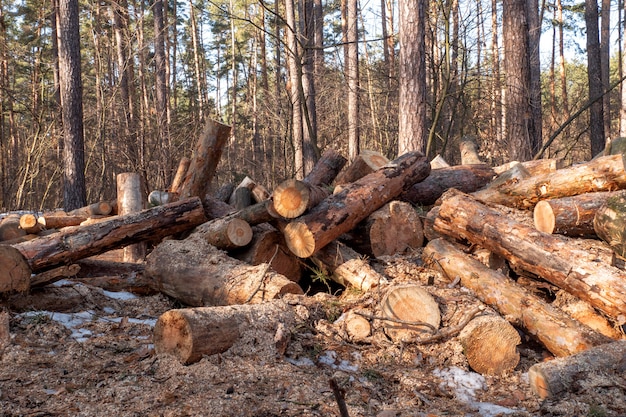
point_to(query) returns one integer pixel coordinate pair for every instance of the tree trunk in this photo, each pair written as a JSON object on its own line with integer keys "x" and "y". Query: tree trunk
{"x": 558, "y": 332}
{"x": 596, "y": 113}
{"x": 130, "y": 200}
{"x": 198, "y": 274}
{"x": 469, "y": 151}
{"x": 552, "y": 257}
{"x": 341, "y": 212}
{"x": 326, "y": 169}
{"x": 352, "y": 74}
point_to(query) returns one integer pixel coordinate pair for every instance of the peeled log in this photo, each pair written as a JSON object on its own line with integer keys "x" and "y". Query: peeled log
{"x": 583, "y": 312}
{"x": 490, "y": 345}
{"x": 602, "y": 174}
{"x": 416, "y": 313}
{"x": 555, "y": 258}
{"x": 551, "y": 378}
{"x": 198, "y": 274}
{"x": 469, "y": 151}
{"x": 191, "y": 333}
{"x": 340, "y": 212}
{"x": 571, "y": 216}
{"x": 558, "y": 332}
{"x": 535, "y": 167}
{"x": 466, "y": 178}
{"x": 610, "y": 222}
{"x": 225, "y": 233}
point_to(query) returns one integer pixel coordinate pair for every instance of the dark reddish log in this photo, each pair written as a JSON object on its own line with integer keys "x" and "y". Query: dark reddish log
{"x": 391, "y": 230}
{"x": 198, "y": 274}
{"x": 469, "y": 151}
{"x": 571, "y": 216}
{"x": 204, "y": 160}
{"x": 347, "y": 267}
{"x": 54, "y": 274}
{"x": 553, "y": 378}
{"x": 79, "y": 242}
{"x": 555, "y": 258}
{"x": 558, "y": 332}
{"x": 610, "y": 222}
{"x": 190, "y": 334}
{"x": 340, "y": 212}
{"x": 327, "y": 168}
{"x": 15, "y": 273}
{"x": 602, "y": 174}
{"x": 181, "y": 172}
{"x": 535, "y": 167}
{"x": 268, "y": 246}
{"x": 292, "y": 197}
{"x": 225, "y": 233}
{"x": 365, "y": 163}
{"x": 466, "y": 178}
{"x": 253, "y": 215}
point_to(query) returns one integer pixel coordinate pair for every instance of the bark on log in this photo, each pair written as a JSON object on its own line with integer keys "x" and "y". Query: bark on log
{"x": 602, "y": 174}
{"x": 224, "y": 192}
{"x": 414, "y": 307}
{"x": 392, "y": 229}
{"x": 191, "y": 333}
{"x": 326, "y": 168}
{"x": 365, "y": 163}
{"x": 466, "y": 178}
{"x": 247, "y": 183}
{"x": 340, "y": 212}
{"x": 179, "y": 177}
{"x": 570, "y": 216}
{"x": 241, "y": 198}
{"x": 347, "y": 267}
{"x": 551, "y": 378}
{"x": 80, "y": 242}
{"x": 490, "y": 345}
{"x": 102, "y": 208}
{"x": 198, "y": 274}
{"x": 54, "y": 274}
{"x": 583, "y": 312}
{"x": 59, "y": 221}
{"x": 10, "y": 228}
{"x": 293, "y": 197}
{"x": 555, "y": 258}
{"x": 28, "y": 223}
{"x": 225, "y": 233}
{"x": 558, "y": 332}
{"x": 268, "y": 246}
{"x": 114, "y": 276}
{"x": 204, "y": 160}
{"x": 15, "y": 273}
{"x": 130, "y": 200}
{"x": 469, "y": 151}
{"x": 610, "y": 222}
{"x": 535, "y": 167}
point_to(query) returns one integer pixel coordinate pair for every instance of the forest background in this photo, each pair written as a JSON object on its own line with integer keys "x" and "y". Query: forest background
{"x": 93, "y": 88}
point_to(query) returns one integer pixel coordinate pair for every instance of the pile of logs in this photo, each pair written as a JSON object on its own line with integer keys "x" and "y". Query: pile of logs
{"x": 513, "y": 235}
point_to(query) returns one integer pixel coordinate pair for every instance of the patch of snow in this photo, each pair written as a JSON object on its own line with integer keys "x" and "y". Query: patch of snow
{"x": 329, "y": 358}
{"x": 121, "y": 295}
{"x": 304, "y": 361}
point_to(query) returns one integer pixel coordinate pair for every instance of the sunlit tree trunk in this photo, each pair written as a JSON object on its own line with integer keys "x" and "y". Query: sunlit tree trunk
{"x": 293, "y": 63}
{"x": 197, "y": 54}
{"x": 596, "y": 113}
{"x": 605, "y": 34}
{"x": 161, "y": 95}
{"x": 563, "y": 75}
{"x": 534, "y": 35}
{"x": 622, "y": 113}
{"x": 498, "y": 119}
{"x": 352, "y": 75}
{"x": 307, "y": 21}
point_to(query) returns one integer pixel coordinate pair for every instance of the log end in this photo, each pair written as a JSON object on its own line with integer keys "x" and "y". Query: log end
{"x": 15, "y": 272}
{"x": 291, "y": 198}
{"x": 412, "y": 311}
{"x": 539, "y": 383}
{"x": 239, "y": 232}
{"x": 173, "y": 335}
{"x": 544, "y": 217}
{"x": 300, "y": 239}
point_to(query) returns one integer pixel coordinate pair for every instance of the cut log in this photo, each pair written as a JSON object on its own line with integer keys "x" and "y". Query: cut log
{"x": 610, "y": 222}
{"x": 583, "y": 312}
{"x": 293, "y": 197}
{"x": 245, "y": 198}
{"x": 552, "y": 378}
{"x": 490, "y": 345}
{"x": 513, "y": 175}
{"x": 558, "y": 332}
{"x": 198, "y": 274}
{"x": 204, "y": 160}
{"x": 79, "y": 242}
{"x": 130, "y": 200}
{"x": 114, "y": 276}
{"x": 326, "y": 168}
{"x": 602, "y": 174}
{"x": 438, "y": 162}
{"x": 411, "y": 312}
{"x": 10, "y": 228}
{"x": 224, "y": 192}
{"x": 15, "y": 273}
{"x": 259, "y": 193}
{"x": 181, "y": 172}
{"x": 535, "y": 167}
{"x": 571, "y": 216}
{"x": 340, "y": 212}
{"x": 57, "y": 220}
{"x": 554, "y": 258}
{"x": 191, "y": 333}
{"x": 102, "y": 208}
{"x": 225, "y": 233}
{"x": 391, "y": 230}
{"x": 347, "y": 267}
{"x": 54, "y": 274}
{"x": 158, "y": 198}
{"x": 466, "y": 178}
{"x": 268, "y": 246}
{"x": 365, "y": 163}
{"x": 469, "y": 151}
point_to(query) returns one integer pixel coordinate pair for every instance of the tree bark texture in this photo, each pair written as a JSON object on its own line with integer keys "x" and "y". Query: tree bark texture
{"x": 130, "y": 200}
{"x": 366, "y": 162}
{"x": 609, "y": 222}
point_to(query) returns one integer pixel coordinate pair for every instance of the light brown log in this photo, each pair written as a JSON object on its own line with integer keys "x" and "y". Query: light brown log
{"x": 393, "y": 229}
{"x": 198, "y": 274}
{"x": 512, "y": 176}
{"x": 438, "y": 162}
{"x": 326, "y": 168}
{"x": 357, "y": 327}
{"x": 181, "y": 172}
{"x": 534, "y": 167}
{"x": 466, "y": 178}
{"x": 259, "y": 193}
{"x": 409, "y": 304}
{"x": 225, "y": 233}
{"x": 570, "y": 216}
{"x": 610, "y": 222}
{"x": 10, "y": 228}
{"x": 204, "y": 160}
{"x": 101, "y": 208}
{"x": 602, "y": 174}
{"x": 366, "y": 162}
{"x": 469, "y": 151}
{"x": 28, "y": 223}
{"x": 428, "y": 224}
{"x": 558, "y": 332}
{"x": 5, "y": 334}
{"x": 59, "y": 221}
{"x": 583, "y": 312}
{"x": 555, "y": 377}
{"x": 347, "y": 267}
{"x": 130, "y": 200}
{"x": 340, "y": 212}
{"x": 192, "y": 333}
{"x": 293, "y": 197}
{"x": 15, "y": 272}
{"x": 79, "y": 242}
{"x": 555, "y": 258}
{"x": 268, "y": 246}
{"x": 490, "y": 345}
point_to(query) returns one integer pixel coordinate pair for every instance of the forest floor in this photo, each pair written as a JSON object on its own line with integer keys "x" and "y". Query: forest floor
{"x": 92, "y": 355}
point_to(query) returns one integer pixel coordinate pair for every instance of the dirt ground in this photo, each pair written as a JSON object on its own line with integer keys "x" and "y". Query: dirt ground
{"x": 90, "y": 353}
